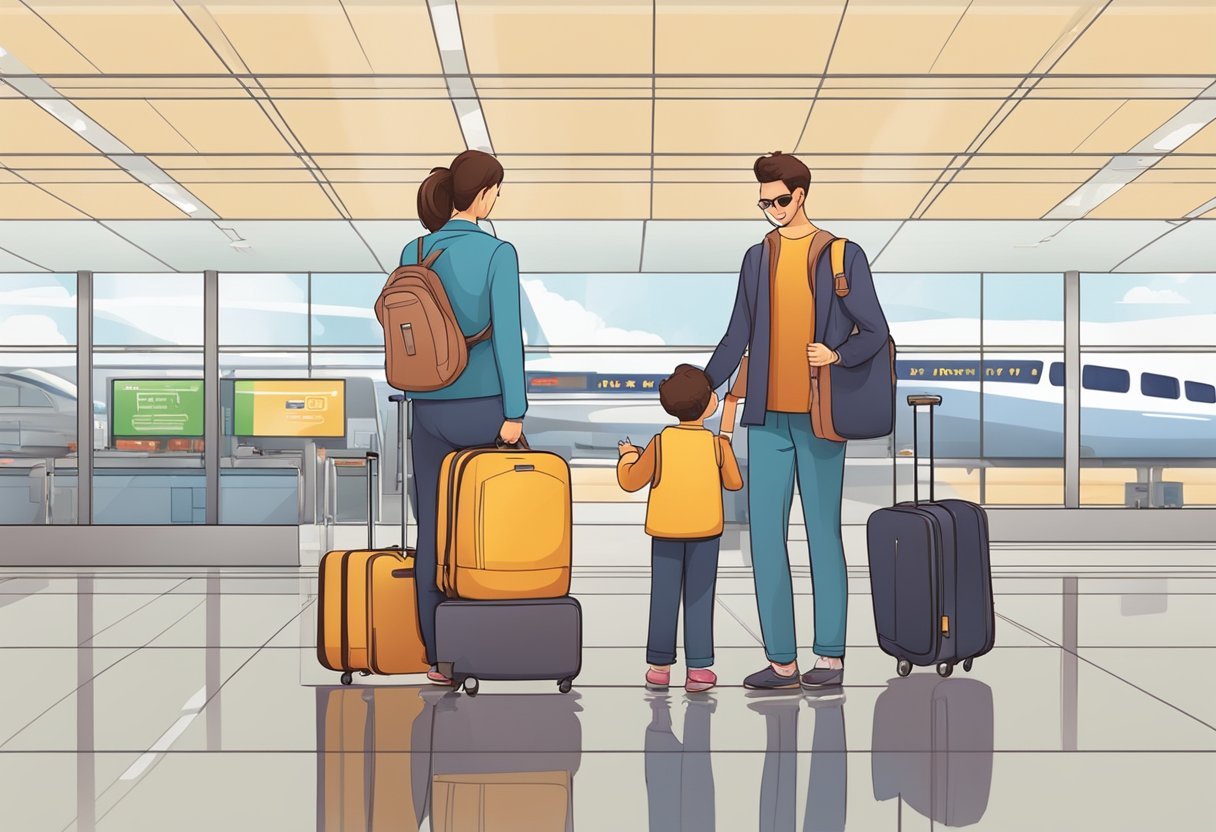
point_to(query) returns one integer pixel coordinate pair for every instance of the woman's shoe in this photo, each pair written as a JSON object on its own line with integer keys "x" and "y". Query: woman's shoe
{"x": 435, "y": 677}
{"x": 700, "y": 679}
{"x": 658, "y": 680}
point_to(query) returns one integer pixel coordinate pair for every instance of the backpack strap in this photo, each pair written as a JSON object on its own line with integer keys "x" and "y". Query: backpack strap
{"x": 658, "y": 461}
{"x": 840, "y": 279}
{"x": 718, "y": 452}
{"x": 469, "y": 340}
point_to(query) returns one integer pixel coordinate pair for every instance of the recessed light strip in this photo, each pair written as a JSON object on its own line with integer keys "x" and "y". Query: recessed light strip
{"x": 139, "y": 166}
{"x": 1127, "y": 167}
{"x": 445, "y": 18}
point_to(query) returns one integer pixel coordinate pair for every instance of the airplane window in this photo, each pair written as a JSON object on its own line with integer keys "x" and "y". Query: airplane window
{"x": 1107, "y": 379}
{"x": 1056, "y": 374}
{"x": 1159, "y": 387}
{"x": 32, "y": 397}
{"x": 1197, "y": 392}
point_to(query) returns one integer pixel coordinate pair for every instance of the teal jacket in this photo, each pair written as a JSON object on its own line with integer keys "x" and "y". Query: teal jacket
{"x": 481, "y": 276}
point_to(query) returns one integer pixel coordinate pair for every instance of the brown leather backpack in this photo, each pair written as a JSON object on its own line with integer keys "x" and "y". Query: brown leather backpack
{"x": 424, "y": 347}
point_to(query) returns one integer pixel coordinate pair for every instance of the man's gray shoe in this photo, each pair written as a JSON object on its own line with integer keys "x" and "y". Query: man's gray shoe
{"x": 818, "y": 678}
{"x": 769, "y": 679}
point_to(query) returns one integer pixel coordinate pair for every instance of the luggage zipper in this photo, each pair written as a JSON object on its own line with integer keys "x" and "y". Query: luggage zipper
{"x": 455, "y": 472}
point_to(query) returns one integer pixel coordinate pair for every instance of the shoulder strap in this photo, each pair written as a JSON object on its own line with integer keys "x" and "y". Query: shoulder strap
{"x": 470, "y": 340}
{"x": 658, "y": 461}
{"x": 431, "y": 258}
{"x": 836, "y": 253}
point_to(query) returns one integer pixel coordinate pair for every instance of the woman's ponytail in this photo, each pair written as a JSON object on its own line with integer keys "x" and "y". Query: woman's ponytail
{"x": 435, "y": 199}
{"x": 453, "y": 189}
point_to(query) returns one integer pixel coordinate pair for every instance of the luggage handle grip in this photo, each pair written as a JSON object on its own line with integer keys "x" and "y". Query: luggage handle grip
{"x": 403, "y": 573}
{"x": 918, "y": 400}
{"x": 924, "y": 400}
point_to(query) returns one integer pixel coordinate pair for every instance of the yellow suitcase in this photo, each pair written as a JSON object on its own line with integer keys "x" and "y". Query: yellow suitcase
{"x": 504, "y": 525}
{"x": 367, "y": 610}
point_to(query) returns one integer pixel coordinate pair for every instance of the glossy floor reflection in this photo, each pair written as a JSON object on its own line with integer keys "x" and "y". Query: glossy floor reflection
{"x": 193, "y": 700}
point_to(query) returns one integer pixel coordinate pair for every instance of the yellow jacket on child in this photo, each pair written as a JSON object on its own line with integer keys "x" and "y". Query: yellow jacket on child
{"x": 687, "y": 467}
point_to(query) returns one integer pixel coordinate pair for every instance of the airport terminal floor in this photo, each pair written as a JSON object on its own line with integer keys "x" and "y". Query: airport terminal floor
{"x": 192, "y": 699}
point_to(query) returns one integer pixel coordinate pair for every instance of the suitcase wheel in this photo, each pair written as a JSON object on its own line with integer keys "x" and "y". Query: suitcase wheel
{"x": 944, "y": 669}
{"x": 904, "y": 667}
{"x": 967, "y": 664}
{"x": 347, "y": 678}
{"x": 565, "y": 685}
{"x": 471, "y": 685}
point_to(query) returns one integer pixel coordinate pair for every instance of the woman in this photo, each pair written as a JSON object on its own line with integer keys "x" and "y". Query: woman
{"x": 487, "y": 402}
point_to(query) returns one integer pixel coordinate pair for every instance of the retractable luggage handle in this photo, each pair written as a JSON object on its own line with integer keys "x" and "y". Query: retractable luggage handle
{"x": 402, "y": 434}
{"x": 372, "y": 460}
{"x": 916, "y": 401}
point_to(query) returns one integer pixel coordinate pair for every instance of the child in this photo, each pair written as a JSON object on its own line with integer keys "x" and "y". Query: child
{"x": 686, "y": 467}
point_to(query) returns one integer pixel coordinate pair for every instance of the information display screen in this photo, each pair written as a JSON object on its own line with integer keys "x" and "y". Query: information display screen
{"x": 312, "y": 408}
{"x": 156, "y": 407}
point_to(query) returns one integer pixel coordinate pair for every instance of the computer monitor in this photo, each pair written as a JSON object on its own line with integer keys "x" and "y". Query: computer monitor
{"x": 279, "y": 408}
{"x": 156, "y": 408}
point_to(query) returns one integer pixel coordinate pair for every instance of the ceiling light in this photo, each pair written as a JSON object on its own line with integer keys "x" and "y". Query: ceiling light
{"x": 1177, "y": 137}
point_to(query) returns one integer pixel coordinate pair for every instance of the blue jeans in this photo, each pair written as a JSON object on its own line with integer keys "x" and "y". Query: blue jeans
{"x": 784, "y": 447}
{"x": 440, "y": 427}
{"x": 691, "y": 566}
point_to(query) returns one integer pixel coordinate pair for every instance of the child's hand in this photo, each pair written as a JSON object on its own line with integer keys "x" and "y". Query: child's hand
{"x": 626, "y": 447}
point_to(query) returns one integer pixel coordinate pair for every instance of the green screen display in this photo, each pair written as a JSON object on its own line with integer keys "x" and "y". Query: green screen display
{"x": 156, "y": 407}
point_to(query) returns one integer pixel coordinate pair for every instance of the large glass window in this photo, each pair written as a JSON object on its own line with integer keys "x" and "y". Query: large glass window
{"x": 37, "y": 310}
{"x": 148, "y": 310}
{"x": 343, "y": 310}
{"x": 931, "y": 309}
{"x": 1148, "y": 397}
{"x": 263, "y": 309}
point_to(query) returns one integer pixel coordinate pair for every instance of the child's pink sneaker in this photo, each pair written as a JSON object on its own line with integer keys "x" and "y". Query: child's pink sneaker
{"x": 700, "y": 679}
{"x": 658, "y": 679}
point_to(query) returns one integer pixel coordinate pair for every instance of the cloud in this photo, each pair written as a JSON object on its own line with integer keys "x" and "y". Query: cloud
{"x": 1145, "y": 295}
{"x": 566, "y": 321}
{"x": 33, "y": 330}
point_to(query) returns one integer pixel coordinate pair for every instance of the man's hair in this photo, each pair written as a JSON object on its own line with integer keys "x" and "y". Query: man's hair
{"x": 685, "y": 393}
{"x": 782, "y": 167}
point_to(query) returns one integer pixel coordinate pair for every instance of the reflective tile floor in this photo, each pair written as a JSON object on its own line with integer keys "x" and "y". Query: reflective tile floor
{"x": 192, "y": 700}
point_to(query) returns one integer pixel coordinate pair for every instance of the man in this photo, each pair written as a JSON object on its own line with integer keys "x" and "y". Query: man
{"x": 781, "y": 305}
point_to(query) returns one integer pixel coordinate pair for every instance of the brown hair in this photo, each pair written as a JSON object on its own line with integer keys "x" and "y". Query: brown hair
{"x": 787, "y": 169}
{"x": 685, "y": 393}
{"x": 454, "y": 188}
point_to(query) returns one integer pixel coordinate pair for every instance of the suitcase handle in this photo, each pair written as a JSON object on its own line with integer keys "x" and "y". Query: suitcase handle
{"x": 917, "y": 401}
{"x": 373, "y": 467}
{"x": 402, "y": 436}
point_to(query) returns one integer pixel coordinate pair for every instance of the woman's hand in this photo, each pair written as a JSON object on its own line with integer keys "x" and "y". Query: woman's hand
{"x": 818, "y": 355}
{"x": 511, "y": 431}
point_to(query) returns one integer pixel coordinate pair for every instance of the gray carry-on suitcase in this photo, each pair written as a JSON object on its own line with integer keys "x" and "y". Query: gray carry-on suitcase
{"x": 515, "y": 640}
{"x": 930, "y": 575}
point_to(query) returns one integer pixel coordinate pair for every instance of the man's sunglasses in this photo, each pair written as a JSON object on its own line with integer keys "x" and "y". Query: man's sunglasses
{"x": 782, "y": 201}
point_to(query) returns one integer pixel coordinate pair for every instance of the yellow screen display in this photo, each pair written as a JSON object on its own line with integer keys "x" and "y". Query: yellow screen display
{"x": 282, "y": 407}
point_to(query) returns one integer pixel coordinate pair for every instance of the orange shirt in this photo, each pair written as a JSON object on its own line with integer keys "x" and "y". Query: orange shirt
{"x": 792, "y": 328}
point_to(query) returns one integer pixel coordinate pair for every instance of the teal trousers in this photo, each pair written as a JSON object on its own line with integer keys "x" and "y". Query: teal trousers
{"x": 783, "y": 448}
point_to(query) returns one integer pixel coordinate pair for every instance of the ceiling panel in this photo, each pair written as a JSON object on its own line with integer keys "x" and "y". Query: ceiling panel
{"x": 1147, "y": 36}
{"x": 1015, "y": 245}
{"x": 1130, "y": 124}
{"x": 719, "y": 246}
{"x": 194, "y": 245}
{"x": 583, "y": 36}
{"x": 224, "y": 126}
{"x": 31, "y": 163}
{"x": 378, "y": 200}
{"x": 304, "y": 36}
{"x": 1005, "y": 36}
{"x": 246, "y": 175}
{"x": 138, "y": 125}
{"x": 724, "y": 126}
{"x": 895, "y": 126}
{"x": 569, "y": 126}
{"x": 576, "y": 201}
{"x": 1187, "y": 248}
{"x": 93, "y": 247}
{"x": 1155, "y": 201}
{"x": 395, "y": 35}
{"x": 30, "y": 129}
{"x": 1202, "y": 142}
{"x": 1049, "y": 126}
{"x": 966, "y": 200}
{"x": 116, "y": 201}
{"x": 194, "y": 161}
{"x": 574, "y": 245}
{"x": 12, "y": 264}
{"x": 136, "y": 36}
{"x": 81, "y": 176}
{"x": 36, "y": 44}
{"x": 369, "y": 126}
{"x": 888, "y": 36}
{"x": 738, "y": 201}
{"x": 989, "y": 176}
{"x": 704, "y": 36}
{"x": 265, "y": 201}
{"x": 22, "y": 201}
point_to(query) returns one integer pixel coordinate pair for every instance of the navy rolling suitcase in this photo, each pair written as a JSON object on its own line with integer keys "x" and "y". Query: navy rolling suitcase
{"x": 930, "y": 575}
